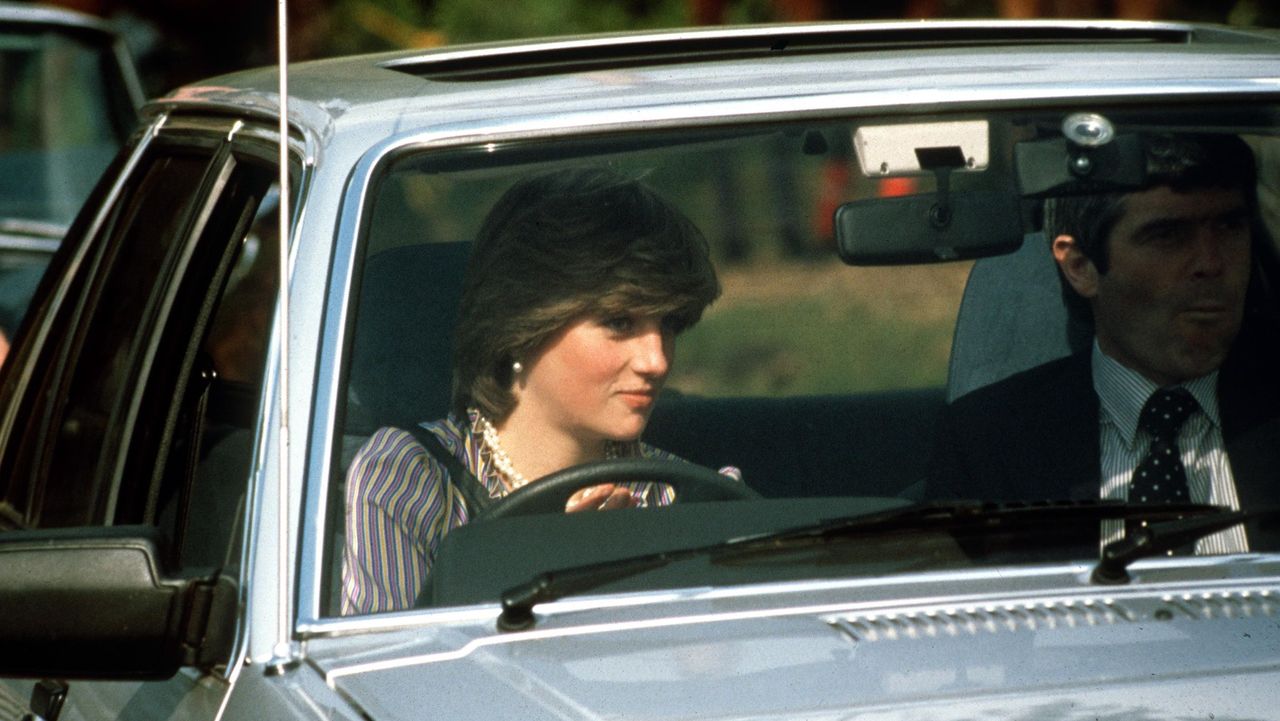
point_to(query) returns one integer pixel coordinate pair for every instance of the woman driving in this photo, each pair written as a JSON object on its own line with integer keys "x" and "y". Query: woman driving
{"x": 578, "y": 283}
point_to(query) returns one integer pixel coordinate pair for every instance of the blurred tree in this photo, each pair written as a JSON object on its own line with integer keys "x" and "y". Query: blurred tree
{"x": 180, "y": 42}
{"x": 359, "y": 26}
{"x": 479, "y": 20}
{"x": 1126, "y": 9}
{"x": 1255, "y": 12}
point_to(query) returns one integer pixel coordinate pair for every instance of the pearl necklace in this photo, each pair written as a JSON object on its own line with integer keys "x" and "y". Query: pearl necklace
{"x": 498, "y": 454}
{"x": 502, "y": 461}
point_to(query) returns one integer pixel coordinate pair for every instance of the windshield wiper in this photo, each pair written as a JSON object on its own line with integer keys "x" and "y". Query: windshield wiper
{"x": 1158, "y": 538}
{"x": 519, "y": 601}
{"x": 972, "y": 515}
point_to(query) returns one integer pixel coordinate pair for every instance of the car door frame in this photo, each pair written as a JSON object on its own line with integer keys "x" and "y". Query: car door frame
{"x": 228, "y": 603}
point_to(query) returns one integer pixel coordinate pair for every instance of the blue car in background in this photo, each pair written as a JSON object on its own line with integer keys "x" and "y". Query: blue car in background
{"x": 69, "y": 97}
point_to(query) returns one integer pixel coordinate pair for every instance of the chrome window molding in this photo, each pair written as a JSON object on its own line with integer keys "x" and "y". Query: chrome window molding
{"x": 835, "y": 37}
{"x": 24, "y": 235}
{"x": 259, "y": 550}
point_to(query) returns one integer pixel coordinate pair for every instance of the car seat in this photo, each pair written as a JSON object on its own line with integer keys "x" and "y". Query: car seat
{"x": 1012, "y": 318}
{"x": 400, "y": 369}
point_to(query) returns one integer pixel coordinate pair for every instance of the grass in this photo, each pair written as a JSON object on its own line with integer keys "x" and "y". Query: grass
{"x": 801, "y": 328}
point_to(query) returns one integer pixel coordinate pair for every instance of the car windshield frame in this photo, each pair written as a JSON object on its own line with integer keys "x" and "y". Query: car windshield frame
{"x": 448, "y": 152}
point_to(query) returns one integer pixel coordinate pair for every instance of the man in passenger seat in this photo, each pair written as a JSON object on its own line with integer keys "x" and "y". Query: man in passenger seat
{"x": 1178, "y": 399}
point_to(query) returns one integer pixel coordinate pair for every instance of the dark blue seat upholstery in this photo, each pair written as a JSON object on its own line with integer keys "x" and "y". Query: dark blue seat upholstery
{"x": 869, "y": 444}
{"x": 1012, "y": 318}
{"x": 408, "y": 304}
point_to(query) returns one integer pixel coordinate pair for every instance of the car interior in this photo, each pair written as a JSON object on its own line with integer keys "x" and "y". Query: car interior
{"x": 811, "y": 452}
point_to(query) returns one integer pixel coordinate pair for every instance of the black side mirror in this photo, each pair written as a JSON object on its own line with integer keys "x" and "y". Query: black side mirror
{"x": 96, "y": 603}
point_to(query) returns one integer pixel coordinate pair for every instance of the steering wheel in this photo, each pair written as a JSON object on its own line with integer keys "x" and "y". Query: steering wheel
{"x": 550, "y": 493}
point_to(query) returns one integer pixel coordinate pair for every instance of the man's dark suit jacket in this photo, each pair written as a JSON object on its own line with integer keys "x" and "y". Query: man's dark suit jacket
{"x": 1034, "y": 436}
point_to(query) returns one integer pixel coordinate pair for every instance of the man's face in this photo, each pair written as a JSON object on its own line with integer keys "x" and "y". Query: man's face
{"x": 1172, "y": 299}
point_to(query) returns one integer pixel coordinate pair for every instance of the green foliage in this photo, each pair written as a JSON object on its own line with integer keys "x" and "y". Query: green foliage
{"x": 744, "y": 12}
{"x": 773, "y": 349}
{"x": 361, "y": 26}
{"x": 479, "y": 20}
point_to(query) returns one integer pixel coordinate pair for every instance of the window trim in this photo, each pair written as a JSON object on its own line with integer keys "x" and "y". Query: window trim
{"x": 58, "y": 324}
{"x": 123, "y": 412}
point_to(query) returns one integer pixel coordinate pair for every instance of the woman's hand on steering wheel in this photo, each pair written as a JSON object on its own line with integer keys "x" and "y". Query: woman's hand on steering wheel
{"x": 604, "y": 497}
{"x": 554, "y": 492}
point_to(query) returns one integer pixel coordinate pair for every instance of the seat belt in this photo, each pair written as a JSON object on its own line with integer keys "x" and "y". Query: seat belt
{"x": 474, "y": 494}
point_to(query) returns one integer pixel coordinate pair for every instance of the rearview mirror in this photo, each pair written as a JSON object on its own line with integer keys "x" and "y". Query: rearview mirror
{"x": 943, "y": 226}
{"x": 923, "y": 229}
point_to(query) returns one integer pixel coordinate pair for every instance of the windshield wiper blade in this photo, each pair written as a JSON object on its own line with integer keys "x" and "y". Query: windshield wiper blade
{"x": 1157, "y": 538}
{"x": 519, "y": 601}
{"x": 972, "y": 515}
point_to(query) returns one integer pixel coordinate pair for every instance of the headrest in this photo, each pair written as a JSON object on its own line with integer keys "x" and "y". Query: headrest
{"x": 1012, "y": 318}
{"x": 401, "y": 363}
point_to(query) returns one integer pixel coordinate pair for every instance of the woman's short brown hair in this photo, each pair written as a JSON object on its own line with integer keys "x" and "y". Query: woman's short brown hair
{"x": 558, "y": 245}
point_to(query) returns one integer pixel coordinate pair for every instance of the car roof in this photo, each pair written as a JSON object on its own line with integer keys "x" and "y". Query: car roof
{"x": 648, "y": 77}
{"x": 26, "y": 14}
{"x": 29, "y": 17}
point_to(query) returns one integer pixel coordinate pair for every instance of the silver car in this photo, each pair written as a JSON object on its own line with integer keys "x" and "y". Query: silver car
{"x": 175, "y": 438}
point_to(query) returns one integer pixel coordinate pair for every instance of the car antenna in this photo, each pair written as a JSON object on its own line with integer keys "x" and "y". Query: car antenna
{"x": 283, "y": 656}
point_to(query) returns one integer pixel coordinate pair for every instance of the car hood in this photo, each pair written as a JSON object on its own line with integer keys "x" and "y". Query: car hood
{"x": 1193, "y": 641}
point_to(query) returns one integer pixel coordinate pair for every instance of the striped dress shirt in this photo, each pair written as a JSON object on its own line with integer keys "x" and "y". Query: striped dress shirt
{"x": 400, "y": 505}
{"x": 1122, "y": 393}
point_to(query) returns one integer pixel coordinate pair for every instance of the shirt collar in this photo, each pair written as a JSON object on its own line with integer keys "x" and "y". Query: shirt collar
{"x": 1123, "y": 391}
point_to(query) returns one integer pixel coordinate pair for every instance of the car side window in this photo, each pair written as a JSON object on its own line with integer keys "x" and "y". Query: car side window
{"x": 202, "y": 479}
{"x": 150, "y": 415}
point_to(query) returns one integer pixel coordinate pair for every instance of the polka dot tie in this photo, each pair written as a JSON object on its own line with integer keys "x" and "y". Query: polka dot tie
{"x": 1161, "y": 477}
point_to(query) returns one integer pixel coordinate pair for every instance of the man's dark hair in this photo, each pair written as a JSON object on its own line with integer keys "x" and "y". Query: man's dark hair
{"x": 561, "y": 244}
{"x": 1183, "y": 163}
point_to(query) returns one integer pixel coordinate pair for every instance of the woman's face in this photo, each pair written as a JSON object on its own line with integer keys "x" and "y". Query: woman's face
{"x": 597, "y": 378}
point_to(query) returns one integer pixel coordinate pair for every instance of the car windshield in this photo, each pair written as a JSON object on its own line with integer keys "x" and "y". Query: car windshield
{"x": 871, "y": 271}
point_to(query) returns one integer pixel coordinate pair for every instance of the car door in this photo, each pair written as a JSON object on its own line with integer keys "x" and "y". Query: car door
{"x": 135, "y": 401}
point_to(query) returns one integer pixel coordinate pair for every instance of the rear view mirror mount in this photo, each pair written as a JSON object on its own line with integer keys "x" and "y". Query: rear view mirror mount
{"x": 943, "y": 226}
{"x": 895, "y": 150}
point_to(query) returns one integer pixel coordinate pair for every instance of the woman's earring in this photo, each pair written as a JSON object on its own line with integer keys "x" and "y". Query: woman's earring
{"x": 517, "y": 368}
